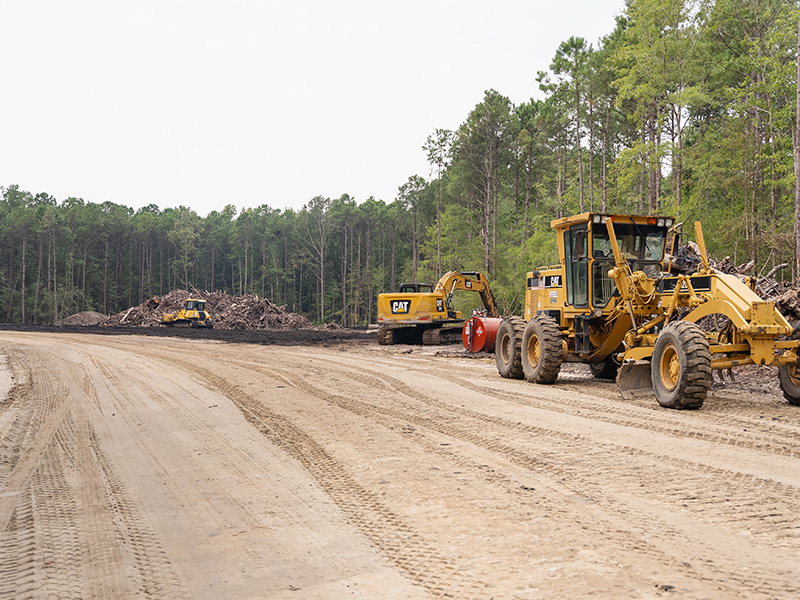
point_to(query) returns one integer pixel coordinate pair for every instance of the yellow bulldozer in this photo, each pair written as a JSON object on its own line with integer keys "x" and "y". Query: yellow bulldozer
{"x": 614, "y": 303}
{"x": 422, "y": 313}
{"x": 193, "y": 314}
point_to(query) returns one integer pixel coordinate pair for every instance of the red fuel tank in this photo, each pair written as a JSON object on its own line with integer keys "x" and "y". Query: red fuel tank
{"x": 479, "y": 333}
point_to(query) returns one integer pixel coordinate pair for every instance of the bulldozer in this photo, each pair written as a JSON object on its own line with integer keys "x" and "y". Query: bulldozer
{"x": 193, "y": 314}
{"x": 422, "y": 313}
{"x": 615, "y": 302}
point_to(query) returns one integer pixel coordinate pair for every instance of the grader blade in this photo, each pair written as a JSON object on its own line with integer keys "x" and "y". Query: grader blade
{"x": 634, "y": 380}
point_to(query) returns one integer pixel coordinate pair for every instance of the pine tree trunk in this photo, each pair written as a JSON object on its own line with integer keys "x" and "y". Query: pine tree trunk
{"x": 55, "y": 280}
{"x": 591, "y": 153}
{"x": 605, "y": 157}
{"x": 797, "y": 165}
{"x": 38, "y": 280}
{"x": 23, "y": 280}
{"x": 578, "y": 141}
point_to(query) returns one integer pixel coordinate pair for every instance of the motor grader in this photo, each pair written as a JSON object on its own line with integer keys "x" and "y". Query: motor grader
{"x": 421, "y": 313}
{"x": 613, "y": 302}
{"x": 193, "y": 314}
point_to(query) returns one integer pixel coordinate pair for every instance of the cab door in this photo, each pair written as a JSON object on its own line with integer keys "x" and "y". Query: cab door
{"x": 576, "y": 265}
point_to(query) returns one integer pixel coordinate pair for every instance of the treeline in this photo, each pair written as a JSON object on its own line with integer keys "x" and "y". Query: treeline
{"x": 687, "y": 108}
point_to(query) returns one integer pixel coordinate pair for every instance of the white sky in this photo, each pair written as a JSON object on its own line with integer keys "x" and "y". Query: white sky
{"x": 202, "y": 103}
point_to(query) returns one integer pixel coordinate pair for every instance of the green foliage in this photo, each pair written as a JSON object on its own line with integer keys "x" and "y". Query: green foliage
{"x": 686, "y": 108}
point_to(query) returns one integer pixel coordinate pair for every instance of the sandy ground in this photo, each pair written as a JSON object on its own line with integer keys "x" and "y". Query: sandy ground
{"x": 136, "y": 467}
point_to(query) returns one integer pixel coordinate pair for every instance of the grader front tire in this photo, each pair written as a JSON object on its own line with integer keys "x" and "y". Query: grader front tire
{"x": 789, "y": 378}
{"x": 542, "y": 351}
{"x": 681, "y": 366}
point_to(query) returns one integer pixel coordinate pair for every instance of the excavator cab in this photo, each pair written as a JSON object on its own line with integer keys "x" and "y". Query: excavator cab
{"x": 415, "y": 288}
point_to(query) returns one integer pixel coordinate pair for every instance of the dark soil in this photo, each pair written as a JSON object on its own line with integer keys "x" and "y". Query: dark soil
{"x": 276, "y": 337}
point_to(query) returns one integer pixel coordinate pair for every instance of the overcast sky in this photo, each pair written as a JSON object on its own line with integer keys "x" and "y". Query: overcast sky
{"x": 244, "y": 102}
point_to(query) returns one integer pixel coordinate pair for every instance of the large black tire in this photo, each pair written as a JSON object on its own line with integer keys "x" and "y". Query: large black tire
{"x": 789, "y": 375}
{"x": 681, "y": 366}
{"x": 789, "y": 378}
{"x": 606, "y": 369}
{"x": 508, "y": 347}
{"x": 542, "y": 350}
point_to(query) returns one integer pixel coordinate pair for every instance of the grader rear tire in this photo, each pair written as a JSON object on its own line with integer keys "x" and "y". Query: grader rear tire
{"x": 542, "y": 350}
{"x": 789, "y": 378}
{"x": 508, "y": 347}
{"x": 681, "y": 366}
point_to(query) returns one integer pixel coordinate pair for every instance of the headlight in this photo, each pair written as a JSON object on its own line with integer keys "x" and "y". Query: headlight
{"x": 668, "y": 223}
{"x": 660, "y": 222}
{"x": 596, "y": 219}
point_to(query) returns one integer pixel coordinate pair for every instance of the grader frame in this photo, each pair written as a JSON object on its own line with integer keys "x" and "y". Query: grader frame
{"x": 635, "y": 320}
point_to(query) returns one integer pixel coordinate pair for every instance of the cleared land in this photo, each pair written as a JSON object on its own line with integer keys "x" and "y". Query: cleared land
{"x": 165, "y": 467}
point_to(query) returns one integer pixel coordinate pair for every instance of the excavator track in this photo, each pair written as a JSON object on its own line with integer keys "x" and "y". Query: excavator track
{"x": 386, "y": 336}
{"x": 437, "y": 336}
{"x": 430, "y": 337}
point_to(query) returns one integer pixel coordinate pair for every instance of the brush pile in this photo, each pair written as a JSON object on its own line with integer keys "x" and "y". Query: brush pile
{"x": 783, "y": 294}
{"x": 226, "y": 312}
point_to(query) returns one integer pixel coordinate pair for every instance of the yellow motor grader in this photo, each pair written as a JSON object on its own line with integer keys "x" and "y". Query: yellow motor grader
{"x": 421, "y": 313}
{"x": 193, "y": 314}
{"x": 614, "y": 303}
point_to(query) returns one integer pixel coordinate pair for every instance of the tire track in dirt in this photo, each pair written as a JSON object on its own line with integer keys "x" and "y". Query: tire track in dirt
{"x": 782, "y": 489}
{"x": 737, "y": 493}
{"x": 615, "y": 507}
{"x": 68, "y": 523}
{"x": 715, "y": 423}
{"x": 408, "y": 549}
{"x": 777, "y": 438}
{"x": 397, "y": 419}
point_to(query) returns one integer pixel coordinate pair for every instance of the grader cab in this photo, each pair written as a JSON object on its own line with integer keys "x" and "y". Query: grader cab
{"x": 613, "y": 303}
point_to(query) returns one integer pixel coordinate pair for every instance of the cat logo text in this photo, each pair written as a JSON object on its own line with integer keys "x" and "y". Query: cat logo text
{"x": 400, "y": 307}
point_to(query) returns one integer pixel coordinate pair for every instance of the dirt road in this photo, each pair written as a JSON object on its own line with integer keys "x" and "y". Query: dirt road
{"x": 136, "y": 467}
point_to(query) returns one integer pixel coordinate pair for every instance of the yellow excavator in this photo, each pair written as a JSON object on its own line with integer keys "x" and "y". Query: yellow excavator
{"x": 193, "y": 314}
{"x": 422, "y": 313}
{"x": 613, "y": 302}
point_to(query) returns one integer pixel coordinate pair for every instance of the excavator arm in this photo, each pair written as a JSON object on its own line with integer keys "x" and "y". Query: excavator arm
{"x": 471, "y": 281}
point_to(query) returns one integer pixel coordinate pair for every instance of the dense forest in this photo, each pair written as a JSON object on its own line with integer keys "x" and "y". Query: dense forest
{"x": 688, "y": 108}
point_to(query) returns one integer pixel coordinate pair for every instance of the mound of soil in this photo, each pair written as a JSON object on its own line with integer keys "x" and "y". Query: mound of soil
{"x": 83, "y": 319}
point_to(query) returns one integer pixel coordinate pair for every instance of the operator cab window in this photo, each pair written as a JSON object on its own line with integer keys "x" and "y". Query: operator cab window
{"x": 642, "y": 246}
{"x": 415, "y": 288}
{"x": 577, "y": 265}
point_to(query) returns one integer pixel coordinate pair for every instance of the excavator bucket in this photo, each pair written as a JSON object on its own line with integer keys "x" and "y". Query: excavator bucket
{"x": 634, "y": 380}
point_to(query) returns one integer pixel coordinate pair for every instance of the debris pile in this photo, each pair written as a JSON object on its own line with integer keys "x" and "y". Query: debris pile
{"x": 785, "y": 297}
{"x": 226, "y": 311}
